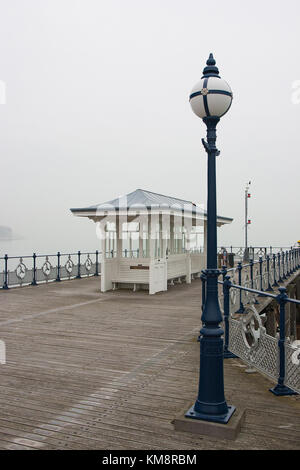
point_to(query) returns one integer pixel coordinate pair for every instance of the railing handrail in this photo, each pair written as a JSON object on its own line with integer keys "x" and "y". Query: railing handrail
{"x": 259, "y": 292}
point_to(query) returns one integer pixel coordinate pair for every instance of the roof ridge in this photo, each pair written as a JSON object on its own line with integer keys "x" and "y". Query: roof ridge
{"x": 164, "y": 195}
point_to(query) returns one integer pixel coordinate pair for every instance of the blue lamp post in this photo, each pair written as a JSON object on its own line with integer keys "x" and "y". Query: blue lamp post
{"x": 210, "y": 99}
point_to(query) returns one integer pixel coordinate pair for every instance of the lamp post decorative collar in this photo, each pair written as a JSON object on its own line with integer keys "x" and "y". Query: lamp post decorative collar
{"x": 210, "y": 99}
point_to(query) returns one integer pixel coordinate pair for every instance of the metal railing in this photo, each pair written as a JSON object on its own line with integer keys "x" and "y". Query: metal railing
{"x": 40, "y": 268}
{"x": 245, "y": 335}
{"x": 254, "y": 252}
{"x": 37, "y": 268}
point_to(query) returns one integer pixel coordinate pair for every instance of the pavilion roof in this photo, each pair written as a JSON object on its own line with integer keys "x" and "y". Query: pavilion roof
{"x": 141, "y": 199}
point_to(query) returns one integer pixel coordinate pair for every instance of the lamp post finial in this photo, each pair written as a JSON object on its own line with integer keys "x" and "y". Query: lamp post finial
{"x": 211, "y": 68}
{"x": 211, "y": 60}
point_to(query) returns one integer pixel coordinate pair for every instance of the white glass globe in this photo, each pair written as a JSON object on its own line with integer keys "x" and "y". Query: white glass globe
{"x": 212, "y": 96}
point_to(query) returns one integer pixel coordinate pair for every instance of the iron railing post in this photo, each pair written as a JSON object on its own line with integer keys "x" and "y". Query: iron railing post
{"x": 281, "y": 389}
{"x": 34, "y": 283}
{"x": 226, "y": 298}
{"x": 252, "y": 280}
{"x": 78, "y": 272}
{"x": 269, "y": 288}
{"x": 58, "y": 267}
{"x": 275, "y": 283}
{"x": 5, "y": 283}
{"x": 261, "y": 275}
{"x": 283, "y": 266}
{"x": 287, "y": 272}
{"x": 241, "y": 308}
{"x": 279, "y": 269}
{"x": 224, "y": 271}
{"x": 251, "y": 272}
{"x": 97, "y": 264}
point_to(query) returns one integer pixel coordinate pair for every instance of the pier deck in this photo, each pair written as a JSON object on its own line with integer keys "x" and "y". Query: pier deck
{"x": 87, "y": 370}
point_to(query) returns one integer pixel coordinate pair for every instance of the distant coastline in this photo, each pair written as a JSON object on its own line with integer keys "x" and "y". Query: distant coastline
{"x": 7, "y": 235}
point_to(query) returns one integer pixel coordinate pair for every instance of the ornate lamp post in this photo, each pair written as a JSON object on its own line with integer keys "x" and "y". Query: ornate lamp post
{"x": 210, "y": 99}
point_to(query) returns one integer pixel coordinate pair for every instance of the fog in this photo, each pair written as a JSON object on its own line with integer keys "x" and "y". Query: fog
{"x": 96, "y": 105}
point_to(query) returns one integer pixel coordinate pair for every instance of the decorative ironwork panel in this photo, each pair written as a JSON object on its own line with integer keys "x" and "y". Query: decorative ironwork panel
{"x": 292, "y": 365}
{"x": 68, "y": 272}
{"x": 88, "y": 268}
{"x": 46, "y": 272}
{"x": 249, "y": 341}
{"x": 49, "y": 275}
{"x": 21, "y": 275}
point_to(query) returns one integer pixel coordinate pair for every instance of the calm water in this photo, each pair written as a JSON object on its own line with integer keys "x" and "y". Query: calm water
{"x": 24, "y": 247}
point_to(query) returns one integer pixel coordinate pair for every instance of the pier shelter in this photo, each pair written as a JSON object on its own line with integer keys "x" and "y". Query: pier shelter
{"x": 149, "y": 240}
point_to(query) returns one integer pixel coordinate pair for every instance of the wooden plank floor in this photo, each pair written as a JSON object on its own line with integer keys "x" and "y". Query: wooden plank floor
{"x": 87, "y": 370}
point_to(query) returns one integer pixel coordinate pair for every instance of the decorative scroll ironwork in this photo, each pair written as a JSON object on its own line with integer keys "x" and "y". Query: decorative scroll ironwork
{"x": 292, "y": 364}
{"x": 249, "y": 341}
{"x": 46, "y": 268}
{"x": 21, "y": 270}
{"x": 69, "y": 266}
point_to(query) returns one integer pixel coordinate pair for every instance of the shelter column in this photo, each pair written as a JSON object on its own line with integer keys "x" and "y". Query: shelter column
{"x": 103, "y": 257}
{"x": 188, "y": 258}
{"x": 141, "y": 233}
{"x": 151, "y": 237}
{"x": 172, "y": 234}
{"x": 119, "y": 240}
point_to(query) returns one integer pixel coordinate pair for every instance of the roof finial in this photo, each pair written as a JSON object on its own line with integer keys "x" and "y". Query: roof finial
{"x": 211, "y": 69}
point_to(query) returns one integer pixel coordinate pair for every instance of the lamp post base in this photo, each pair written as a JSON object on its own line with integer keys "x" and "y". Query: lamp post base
{"x": 191, "y": 413}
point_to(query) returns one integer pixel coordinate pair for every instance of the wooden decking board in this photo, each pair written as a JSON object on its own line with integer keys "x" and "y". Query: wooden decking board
{"x": 88, "y": 370}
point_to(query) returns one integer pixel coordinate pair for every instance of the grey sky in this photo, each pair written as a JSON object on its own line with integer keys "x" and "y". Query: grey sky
{"x": 97, "y": 106}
